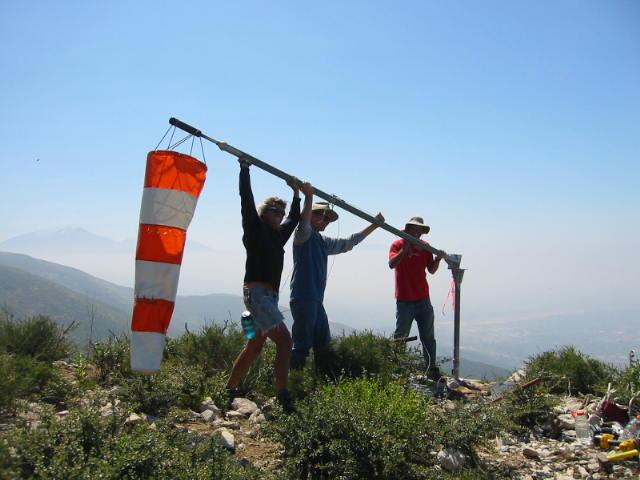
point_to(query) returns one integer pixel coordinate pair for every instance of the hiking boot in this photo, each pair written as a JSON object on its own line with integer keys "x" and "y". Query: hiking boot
{"x": 434, "y": 374}
{"x": 286, "y": 402}
{"x": 232, "y": 392}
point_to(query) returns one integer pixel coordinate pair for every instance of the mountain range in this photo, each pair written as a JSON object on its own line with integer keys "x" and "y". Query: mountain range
{"x": 30, "y": 286}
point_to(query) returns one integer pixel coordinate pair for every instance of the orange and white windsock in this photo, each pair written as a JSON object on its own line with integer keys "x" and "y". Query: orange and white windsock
{"x": 173, "y": 181}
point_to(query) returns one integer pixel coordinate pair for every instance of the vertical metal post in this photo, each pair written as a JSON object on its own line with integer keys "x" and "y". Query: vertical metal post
{"x": 457, "y": 274}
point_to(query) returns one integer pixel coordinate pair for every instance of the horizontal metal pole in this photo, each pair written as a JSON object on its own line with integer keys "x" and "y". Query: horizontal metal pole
{"x": 451, "y": 260}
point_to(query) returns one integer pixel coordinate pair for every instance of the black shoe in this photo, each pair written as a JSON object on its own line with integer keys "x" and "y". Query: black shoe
{"x": 232, "y": 393}
{"x": 286, "y": 402}
{"x": 434, "y": 374}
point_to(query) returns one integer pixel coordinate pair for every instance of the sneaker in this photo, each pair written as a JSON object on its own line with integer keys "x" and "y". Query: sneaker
{"x": 284, "y": 399}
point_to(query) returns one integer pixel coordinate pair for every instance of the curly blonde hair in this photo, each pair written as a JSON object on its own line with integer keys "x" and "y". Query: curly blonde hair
{"x": 271, "y": 202}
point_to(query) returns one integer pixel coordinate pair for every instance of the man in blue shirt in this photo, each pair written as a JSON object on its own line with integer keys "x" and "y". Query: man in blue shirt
{"x": 310, "y": 251}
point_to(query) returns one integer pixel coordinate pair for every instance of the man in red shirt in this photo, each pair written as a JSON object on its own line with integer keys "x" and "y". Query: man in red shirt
{"x": 412, "y": 290}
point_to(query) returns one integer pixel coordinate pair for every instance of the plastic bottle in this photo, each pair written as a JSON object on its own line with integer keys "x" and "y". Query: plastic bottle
{"x": 582, "y": 427}
{"x": 248, "y": 326}
{"x": 632, "y": 430}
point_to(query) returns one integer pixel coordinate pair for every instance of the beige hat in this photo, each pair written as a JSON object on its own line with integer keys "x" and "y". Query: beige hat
{"x": 418, "y": 221}
{"x": 326, "y": 209}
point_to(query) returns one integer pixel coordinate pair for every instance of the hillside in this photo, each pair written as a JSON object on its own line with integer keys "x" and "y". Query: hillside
{"x": 23, "y": 294}
{"x": 32, "y": 286}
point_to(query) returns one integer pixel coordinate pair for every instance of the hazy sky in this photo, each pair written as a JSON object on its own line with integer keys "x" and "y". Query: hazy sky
{"x": 513, "y": 128}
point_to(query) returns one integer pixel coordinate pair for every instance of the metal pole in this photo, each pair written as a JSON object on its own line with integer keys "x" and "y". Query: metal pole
{"x": 319, "y": 193}
{"x": 457, "y": 273}
{"x": 453, "y": 260}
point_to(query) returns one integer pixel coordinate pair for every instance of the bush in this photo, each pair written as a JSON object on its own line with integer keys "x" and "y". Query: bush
{"x": 86, "y": 445}
{"x": 626, "y": 385}
{"x": 175, "y": 385}
{"x": 37, "y": 337}
{"x": 361, "y": 354}
{"x": 24, "y": 377}
{"x": 213, "y": 348}
{"x": 569, "y": 370}
{"x": 112, "y": 358}
{"x": 525, "y": 409}
{"x": 364, "y": 429}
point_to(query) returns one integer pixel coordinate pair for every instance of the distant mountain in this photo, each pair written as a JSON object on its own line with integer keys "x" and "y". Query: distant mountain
{"x": 23, "y": 294}
{"x": 75, "y": 240}
{"x": 30, "y": 286}
{"x": 73, "y": 279}
{"x": 193, "y": 310}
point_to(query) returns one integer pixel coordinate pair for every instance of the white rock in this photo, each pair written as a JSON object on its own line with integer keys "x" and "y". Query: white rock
{"x": 208, "y": 404}
{"x": 257, "y": 417}
{"x": 451, "y": 460}
{"x": 133, "y": 419}
{"x": 227, "y": 424}
{"x": 210, "y": 415}
{"x": 226, "y": 438}
{"x": 63, "y": 413}
{"x": 244, "y": 406}
{"x": 231, "y": 414}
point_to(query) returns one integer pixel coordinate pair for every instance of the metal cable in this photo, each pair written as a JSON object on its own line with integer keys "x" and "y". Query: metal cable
{"x": 179, "y": 142}
{"x": 165, "y": 134}
{"x": 202, "y": 148}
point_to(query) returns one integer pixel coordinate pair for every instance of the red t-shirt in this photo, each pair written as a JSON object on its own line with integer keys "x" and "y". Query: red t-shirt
{"x": 411, "y": 277}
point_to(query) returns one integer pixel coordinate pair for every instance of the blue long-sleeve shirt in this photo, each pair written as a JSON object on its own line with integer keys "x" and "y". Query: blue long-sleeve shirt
{"x": 310, "y": 253}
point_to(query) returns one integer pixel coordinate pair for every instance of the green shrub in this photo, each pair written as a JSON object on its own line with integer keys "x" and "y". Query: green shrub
{"x": 627, "y": 385}
{"x": 86, "y": 445}
{"x": 176, "y": 385}
{"x": 364, "y": 429}
{"x": 365, "y": 353}
{"x": 528, "y": 408}
{"x": 37, "y": 337}
{"x": 569, "y": 370}
{"x": 24, "y": 377}
{"x": 112, "y": 358}
{"x": 213, "y": 348}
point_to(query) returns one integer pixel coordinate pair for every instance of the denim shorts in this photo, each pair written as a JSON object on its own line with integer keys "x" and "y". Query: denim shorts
{"x": 263, "y": 305}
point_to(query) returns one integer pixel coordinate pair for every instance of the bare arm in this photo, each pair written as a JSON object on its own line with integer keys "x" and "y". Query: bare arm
{"x": 396, "y": 258}
{"x": 367, "y": 231}
{"x": 433, "y": 267}
{"x": 303, "y": 232}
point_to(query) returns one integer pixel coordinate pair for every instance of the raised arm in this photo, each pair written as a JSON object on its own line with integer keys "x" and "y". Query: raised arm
{"x": 250, "y": 216}
{"x": 304, "y": 226}
{"x": 367, "y": 231}
{"x": 336, "y": 246}
{"x": 286, "y": 229}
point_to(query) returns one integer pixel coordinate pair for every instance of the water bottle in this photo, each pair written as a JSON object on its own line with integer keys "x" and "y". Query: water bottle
{"x": 632, "y": 430}
{"x": 248, "y": 326}
{"x": 582, "y": 427}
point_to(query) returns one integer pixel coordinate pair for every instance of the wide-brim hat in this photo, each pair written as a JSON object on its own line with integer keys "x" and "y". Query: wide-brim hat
{"x": 419, "y": 222}
{"x": 327, "y": 211}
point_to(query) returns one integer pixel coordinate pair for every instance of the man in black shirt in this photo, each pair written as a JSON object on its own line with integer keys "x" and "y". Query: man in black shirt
{"x": 264, "y": 237}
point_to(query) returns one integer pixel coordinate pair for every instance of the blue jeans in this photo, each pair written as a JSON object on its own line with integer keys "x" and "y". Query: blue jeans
{"x": 310, "y": 330}
{"x": 422, "y": 312}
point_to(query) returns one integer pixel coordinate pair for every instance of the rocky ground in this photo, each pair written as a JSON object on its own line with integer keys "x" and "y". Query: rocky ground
{"x": 531, "y": 456}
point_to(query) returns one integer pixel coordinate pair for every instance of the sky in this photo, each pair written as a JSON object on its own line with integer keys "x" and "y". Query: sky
{"x": 513, "y": 128}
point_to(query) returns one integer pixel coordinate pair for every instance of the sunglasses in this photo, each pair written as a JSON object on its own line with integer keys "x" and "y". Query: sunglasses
{"x": 276, "y": 210}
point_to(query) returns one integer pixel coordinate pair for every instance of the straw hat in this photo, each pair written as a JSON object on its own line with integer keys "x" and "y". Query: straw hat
{"x": 326, "y": 210}
{"x": 419, "y": 222}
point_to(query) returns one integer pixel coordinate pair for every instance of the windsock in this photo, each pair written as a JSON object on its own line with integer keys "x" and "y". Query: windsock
{"x": 173, "y": 181}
